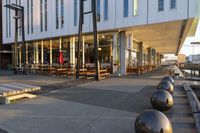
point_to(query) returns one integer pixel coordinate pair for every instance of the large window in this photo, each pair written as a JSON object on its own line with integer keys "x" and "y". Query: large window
{"x": 57, "y": 16}
{"x": 31, "y": 16}
{"x": 98, "y": 10}
{"x": 45, "y": 15}
{"x": 160, "y": 5}
{"x": 62, "y": 14}
{"x": 125, "y": 8}
{"x": 75, "y": 12}
{"x": 105, "y": 9}
{"x": 9, "y": 20}
{"x": 28, "y": 28}
{"x": 20, "y": 21}
{"x": 173, "y": 4}
{"x": 135, "y": 7}
{"x": 41, "y": 15}
{"x": 6, "y": 20}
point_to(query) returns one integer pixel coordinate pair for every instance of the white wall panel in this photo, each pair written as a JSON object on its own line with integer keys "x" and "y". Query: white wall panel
{"x": 147, "y": 14}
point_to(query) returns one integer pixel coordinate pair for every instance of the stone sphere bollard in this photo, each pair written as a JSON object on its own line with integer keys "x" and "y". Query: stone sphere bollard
{"x": 166, "y": 85}
{"x": 169, "y": 78}
{"x": 162, "y": 100}
{"x": 152, "y": 121}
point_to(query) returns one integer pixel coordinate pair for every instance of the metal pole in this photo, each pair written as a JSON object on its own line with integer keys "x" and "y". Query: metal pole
{"x": 193, "y": 55}
{"x": 96, "y": 46}
{"x": 16, "y": 40}
{"x": 23, "y": 39}
{"x": 79, "y": 39}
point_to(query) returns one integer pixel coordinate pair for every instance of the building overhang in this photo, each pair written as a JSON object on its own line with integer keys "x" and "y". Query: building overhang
{"x": 166, "y": 38}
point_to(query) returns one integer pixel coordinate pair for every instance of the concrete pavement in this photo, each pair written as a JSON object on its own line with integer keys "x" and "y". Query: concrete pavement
{"x": 107, "y": 106}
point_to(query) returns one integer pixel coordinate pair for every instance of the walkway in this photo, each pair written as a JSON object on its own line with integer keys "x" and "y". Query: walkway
{"x": 108, "y": 106}
{"x": 183, "y": 121}
{"x": 8, "y": 76}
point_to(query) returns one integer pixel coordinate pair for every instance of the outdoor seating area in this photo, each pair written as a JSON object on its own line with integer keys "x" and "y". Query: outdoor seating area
{"x": 141, "y": 70}
{"x": 86, "y": 71}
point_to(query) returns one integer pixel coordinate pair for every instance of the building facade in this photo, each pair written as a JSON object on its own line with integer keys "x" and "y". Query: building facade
{"x": 131, "y": 33}
{"x": 5, "y": 50}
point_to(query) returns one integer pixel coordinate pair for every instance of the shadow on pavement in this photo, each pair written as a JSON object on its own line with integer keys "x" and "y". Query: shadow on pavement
{"x": 126, "y": 101}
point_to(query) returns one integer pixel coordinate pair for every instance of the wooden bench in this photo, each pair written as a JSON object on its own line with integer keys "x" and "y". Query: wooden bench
{"x": 13, "y": 91}
{"x": 71, "y": 72}
{"x": 51, "y": 71}
{"x": 104, "y": 74}
{"x": 61, "y": 72}
{"x": 92, "y": 73}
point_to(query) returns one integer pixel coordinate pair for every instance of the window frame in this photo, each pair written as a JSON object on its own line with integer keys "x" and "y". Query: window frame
{"x": 57, "y": 13}
{"x": 41, "y": 16}
{"x": 135, "y": 12}
{"x": 175, "y": 5}
{"x": 125, "y": 8}
{"x": 46, "y": 15}
{"x": 106, "y": 10}
{"x": 62, "y": 14}
{"x": 75, "y": 12}
{"x": 159, "y": 5}
{"x": 98, "y": 9}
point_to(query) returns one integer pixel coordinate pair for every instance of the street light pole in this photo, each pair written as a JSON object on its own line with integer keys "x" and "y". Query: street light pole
{"x": 23, "y": 39}
{"x": 16, "y": 40}
{"x": 79, "y": 39}
{"x": 19, "y": 14}
{"x": 96, "y": 45}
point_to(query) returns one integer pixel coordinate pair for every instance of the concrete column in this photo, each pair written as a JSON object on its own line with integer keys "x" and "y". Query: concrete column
{"x": 83, "y": 51}
{"x": 123, "y": 60}
{"x": 42, "y": 52}
{"x": 13, "y": 56}
{"x": 26, "y": 53}
{"x": 149, "y": 56}
{"x": 154, "y": 57}
{"x": 130, "y": 48}
{"x": 115, "y": 56}
{"x": 51, "y": 58}
{"x": 72, "y": 51}
{"x": 20, "y": 55}
{"x": 60, "y": 44}
{"x": 140, "y": 55}
{"x": 36, "y": 53}
{"x": 158, "y": 59}
{"x": 17, "y": 55}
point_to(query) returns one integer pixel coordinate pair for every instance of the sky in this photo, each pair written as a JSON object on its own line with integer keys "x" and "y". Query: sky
{"x": 189, "y": 49}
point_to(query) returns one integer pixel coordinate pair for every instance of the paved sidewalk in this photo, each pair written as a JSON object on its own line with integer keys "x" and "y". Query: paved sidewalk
{"x": 183, "y": 121}
{"x": 33, "y": 79}
{"x": 79, "y": 106}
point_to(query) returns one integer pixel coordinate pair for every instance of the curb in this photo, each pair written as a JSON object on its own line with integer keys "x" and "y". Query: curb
{"x": 194, "y": 104}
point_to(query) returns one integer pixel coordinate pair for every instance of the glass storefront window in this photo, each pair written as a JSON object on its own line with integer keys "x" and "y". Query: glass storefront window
{"x": 66, "y": 50}
{"x": 46, "y": 49}
{"x": 55, "y": 51}
{"x": 105, "y": 47}
{"x": 145, "y": 55}
{"x": 30, "y": 53}
{"x": 133, "y": 56}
